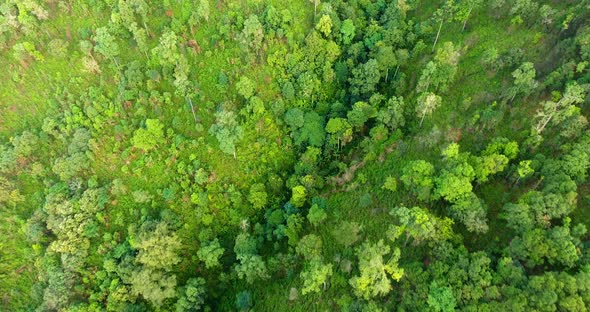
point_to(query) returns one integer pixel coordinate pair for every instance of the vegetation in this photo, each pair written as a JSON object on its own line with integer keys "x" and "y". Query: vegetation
{"x": 390, "y": 155}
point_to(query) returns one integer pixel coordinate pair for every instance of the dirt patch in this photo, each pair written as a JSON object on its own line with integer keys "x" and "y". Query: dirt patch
{"x": 348, "y": 175}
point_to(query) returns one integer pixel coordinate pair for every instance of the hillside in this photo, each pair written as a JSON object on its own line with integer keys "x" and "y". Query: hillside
{"x": 365, "y": 155}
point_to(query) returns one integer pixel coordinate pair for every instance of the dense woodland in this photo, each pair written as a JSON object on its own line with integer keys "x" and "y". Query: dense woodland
{"x": 265, "y": 155}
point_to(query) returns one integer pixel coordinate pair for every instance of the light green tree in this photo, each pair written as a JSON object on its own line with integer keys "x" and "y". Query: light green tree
{"x": 375, "y": 272}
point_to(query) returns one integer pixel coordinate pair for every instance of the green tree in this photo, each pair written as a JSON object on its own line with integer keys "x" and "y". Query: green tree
{"x": 455, "y": 183}
{"x": 157, "y": 246}
{"x": 299, "y": 196}
{"x": 245, "y": 87}
{"x": 227, "y": 130}
{"x": 360, "y": 114}
{"x": 417, "y": 177}
{"x": 258, "y": 196}
{"x": 210, "y": 253}
{"x": 441, "y": 15}
{"x": 310, "y": 247}
{"x": 390, "y": 184}
{"x": 166, "y": 53}
{"x": 192, "y": 296}
{"x": 315, "y": 275}
{"x": 347, "y": 31}
{"x": 470, "y": 211}
{"x": 524, "y": 80}
{"x": 392, "y": 115}
{"x": 427, "y": 104}
{"x": 243, "y": 300}
{"x": 106, "y": 44}
{"x": 252, "y": 268}
{"x": 316, "y": 215}
{"x": 294, "y": 118}
{"x": 252, "y": 34}
{"x": 315, "y": 7}
{"x": 464, "y": 10}
{"x": 560, "y": 110}
{"x": 154, "y": 286}
{"x": 375, "y": 272}
{"x": 347, "y": 233}
{"x": 148, "y": 138}
{"x": 441, "y": 299}
{"x": 340, "y": 131}
{"x": 324, "y": 26}
{"x": 312, "y": 132}
{"x": 420, "y": 225}
{"x": 365, "y": 78}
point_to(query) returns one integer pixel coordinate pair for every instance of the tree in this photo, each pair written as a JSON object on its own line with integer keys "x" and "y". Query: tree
{"x": 316, "y": 215}
{"x": 347, "y": 233}
{"x": 470, "y": 211}
{"x": 251, "y": 268}
{"x": 315, "y": 275}
{"x": 324, "y": 25}
{"x": 106, "y": 44}
{"x": 294, "y": 118}
{"x": 203, "y": 10}
{"x": 427, "y": 104}
{"x": 210, "y": 253}
{"x": 455, "y": 183}
{"x": 441, "y": 15}
{"x": 360, "y": 114}
{"x": 365, "y": 77}
{"x": 390, "y": 184}
{"x": 560, "y": 110}
{"x": 487, "y": 165}
{"x": 313, "y": 131}
{"x": 192, "y": 295}
{"x": 157, "y": 246}
{"x": 148, "y": 138}
{"x": 373, "y": 280}
{"x": 392, "y": 115}
{"x": 227, "y": 131}
{"x": 310, "y": 247}
{"x": 153, "y": 285}
{"x": 420, "y": 225}
{"x": 417, "y": 176}
{"x": 438, "y": 74}
{"x": 245, "y": 87}
{"x": 464, "y": 10}
{"x": 243, "y": 300}
{"x": 315, "y": 7}
{"x": 441, "y": 299}
{"x": 347, "y": 31}
{"x": 386, "y": 59}
{"x": 340, "y": 131}
{"x": 547, "y": 14}
{"x": 524, "y": 80}
{"x": 252, "y": 34}
{"x": 298, "y": 196}
{"x": 166, "y": 53}
{"x": 258, "y": 196}
{"x": 524, "y": 170}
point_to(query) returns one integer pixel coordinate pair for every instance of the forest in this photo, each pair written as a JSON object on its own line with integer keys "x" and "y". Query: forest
{"x": 305, "y": 155}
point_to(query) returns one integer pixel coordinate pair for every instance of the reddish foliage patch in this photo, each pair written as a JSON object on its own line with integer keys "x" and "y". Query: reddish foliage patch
{"x": 195, "y": 45}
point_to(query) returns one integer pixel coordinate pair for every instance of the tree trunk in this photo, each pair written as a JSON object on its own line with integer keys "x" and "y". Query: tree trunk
{"x": 544, "y": 124}
{"x": 437, "y": 35}
{"x": 466, "y": 18}
{"x": 193, "y": 110}
{"x": 395, "y": 74}
{"x": 422, "y": 119}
